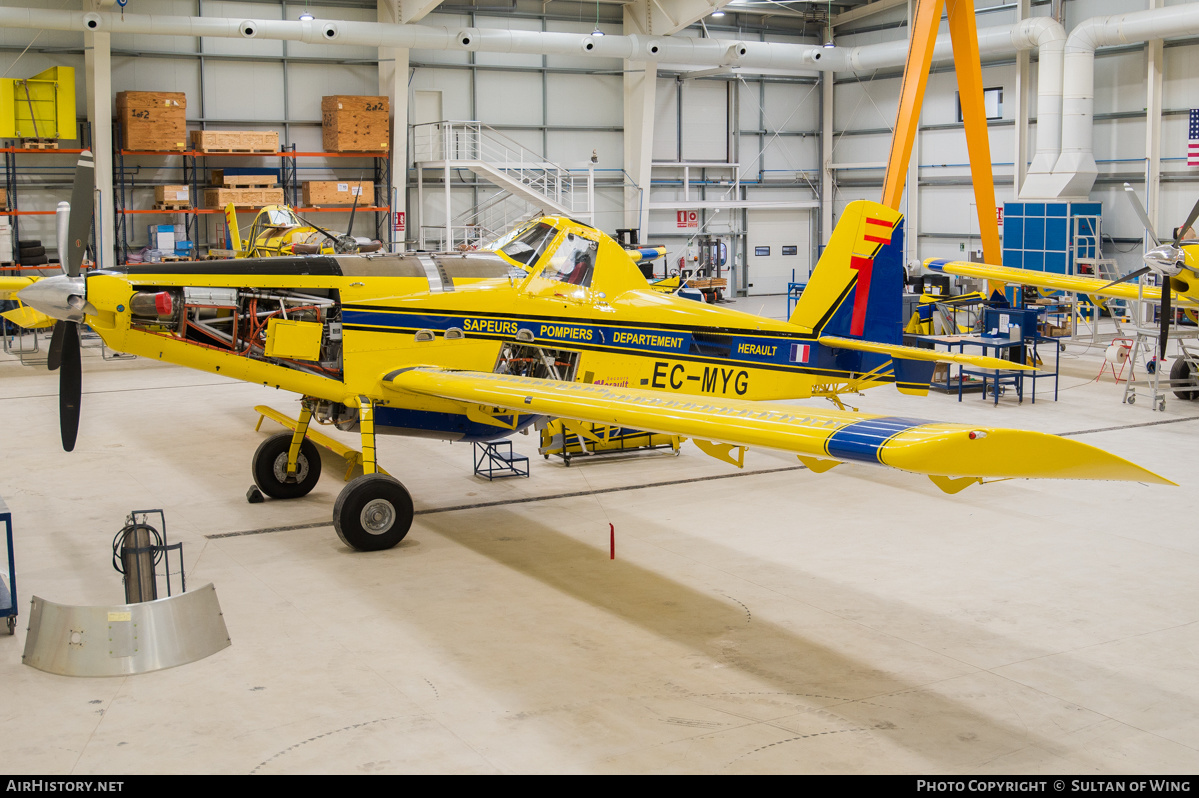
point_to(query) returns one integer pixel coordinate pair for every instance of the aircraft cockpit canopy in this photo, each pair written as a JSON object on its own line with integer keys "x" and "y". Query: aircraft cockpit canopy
{"x": 573, "y": 261}
{"x": 280, "y": 217}
{"x": 527, "y": 245}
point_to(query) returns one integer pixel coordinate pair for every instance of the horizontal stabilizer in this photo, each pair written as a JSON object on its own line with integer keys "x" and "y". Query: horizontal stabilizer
{"x": 898, "y": 351}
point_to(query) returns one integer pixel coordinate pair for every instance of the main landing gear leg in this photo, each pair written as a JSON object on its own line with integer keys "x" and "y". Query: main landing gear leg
{"x": 374, "y": 511}
{"x": 287, "y": 465}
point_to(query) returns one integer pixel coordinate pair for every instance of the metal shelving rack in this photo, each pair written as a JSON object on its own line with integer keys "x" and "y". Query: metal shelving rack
{"x": 193, "y": 169}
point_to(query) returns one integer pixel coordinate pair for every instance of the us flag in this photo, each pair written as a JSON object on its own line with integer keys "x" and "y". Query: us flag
{"x": 1193, "y": 139}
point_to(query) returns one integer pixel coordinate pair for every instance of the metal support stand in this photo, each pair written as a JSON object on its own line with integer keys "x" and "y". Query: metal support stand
{"x": 1156, "y": 386}
{"x": 495, "y": 459}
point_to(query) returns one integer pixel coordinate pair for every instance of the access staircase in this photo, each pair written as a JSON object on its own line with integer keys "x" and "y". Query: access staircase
{"x": 522, "y": 174}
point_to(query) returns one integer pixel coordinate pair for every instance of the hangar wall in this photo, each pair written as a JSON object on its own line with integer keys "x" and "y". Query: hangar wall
{"x": 565, "y": 107}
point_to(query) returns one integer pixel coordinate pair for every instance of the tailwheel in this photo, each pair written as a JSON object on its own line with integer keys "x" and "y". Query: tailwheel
{"x": 270, "y": 468}
{"x": 373, "y": 512}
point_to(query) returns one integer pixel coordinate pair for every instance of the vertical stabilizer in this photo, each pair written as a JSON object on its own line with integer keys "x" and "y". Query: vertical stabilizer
{"x": 856, "y": 289}
{"x": 233, "y": 233}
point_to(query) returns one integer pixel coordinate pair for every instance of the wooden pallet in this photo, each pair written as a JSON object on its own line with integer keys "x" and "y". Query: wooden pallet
{"x": 175, "y": 258}
{"x": 172, "y": 206}
{"x": 39, "y": 144}
{"x": 709, "y": 284}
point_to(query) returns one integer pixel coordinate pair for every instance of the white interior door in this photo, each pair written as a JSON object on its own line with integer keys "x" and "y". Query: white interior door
{"x": 777, "y": 243}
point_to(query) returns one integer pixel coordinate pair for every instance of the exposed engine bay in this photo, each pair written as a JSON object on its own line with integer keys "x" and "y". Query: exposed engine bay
{"x": 287, "y": 327}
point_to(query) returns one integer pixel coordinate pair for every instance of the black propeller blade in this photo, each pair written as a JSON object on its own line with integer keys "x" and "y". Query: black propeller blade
{"x": 1180, "y": 232}
{"x": 1130, "y": 276}
{"x": 70, "y": 386}
{"x": 64, "y": 343}
{"x": 354, "y": 210}
{"x": 54, "y": 357}
{"x": 80, "y": 225}
{"x": 1167, "y": 318}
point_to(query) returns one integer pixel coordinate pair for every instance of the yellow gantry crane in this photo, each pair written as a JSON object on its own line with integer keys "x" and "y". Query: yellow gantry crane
{"x": 968, "y": 66}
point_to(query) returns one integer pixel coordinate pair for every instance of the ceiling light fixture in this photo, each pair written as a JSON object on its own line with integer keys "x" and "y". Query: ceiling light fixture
{"x": 597, "y": 31}
{"x": 305, "y": 17}
{"x": 718, "y": 13}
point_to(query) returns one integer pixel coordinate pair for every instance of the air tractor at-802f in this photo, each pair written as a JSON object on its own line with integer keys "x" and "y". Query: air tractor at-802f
{"x": 554, "y": 321}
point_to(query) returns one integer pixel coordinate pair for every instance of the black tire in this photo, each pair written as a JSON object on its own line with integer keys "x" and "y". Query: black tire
{"x": 33, "y": 260}
{"x": 32, "y": 252}
{"x": 373, "y": 513}
{"x": 1181, "y": 372}
{"x": 270, "y": 468}
{"x": 33, "y": 242}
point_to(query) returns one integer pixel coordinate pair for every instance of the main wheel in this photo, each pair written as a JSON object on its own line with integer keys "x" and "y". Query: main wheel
{"x": 373, "y": 513}
{"x": 1180, "y": 372}
{"x": 270, "y": 468}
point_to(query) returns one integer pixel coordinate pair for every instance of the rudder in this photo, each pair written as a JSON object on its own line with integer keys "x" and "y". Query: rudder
{"x": 856, "y": 289}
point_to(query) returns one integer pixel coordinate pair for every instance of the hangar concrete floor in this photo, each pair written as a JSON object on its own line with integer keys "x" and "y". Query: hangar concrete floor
{"x": 770, "y": 620}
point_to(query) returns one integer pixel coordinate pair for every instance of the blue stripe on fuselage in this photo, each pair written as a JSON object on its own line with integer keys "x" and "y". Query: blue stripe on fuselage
{"x": 863, "y": 440}
{"x": 733, "y": 349}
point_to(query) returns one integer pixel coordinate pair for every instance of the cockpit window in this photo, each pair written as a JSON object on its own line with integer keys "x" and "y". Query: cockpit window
{"x": 573, "y": 262}
{"x": 281, "y": 217}
{"x": 527, "y": 247}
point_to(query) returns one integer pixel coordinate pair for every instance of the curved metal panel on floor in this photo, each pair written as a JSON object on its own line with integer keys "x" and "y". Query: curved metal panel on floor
{"x": 123, "y": 639}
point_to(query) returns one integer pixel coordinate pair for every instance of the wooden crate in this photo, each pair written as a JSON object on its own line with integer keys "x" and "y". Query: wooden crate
{"x": 223, "y": 179}
{"x": 3, "y": 199}
{"x": 355, "y": 124}
{"x": 338, "y": 192}
{"x": 177, "y": 196}
{"x": 235, "y": 141}
{"x": 152, "y": 120}
{"x": 242, "y": 197}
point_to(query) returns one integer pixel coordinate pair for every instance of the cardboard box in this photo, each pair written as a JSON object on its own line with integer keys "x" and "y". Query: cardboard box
{"x": 153, "y": 120}
{"x": 338, "y": 192}
{"x": 355, "y": 124}
{"x": 174, "y": 195}
{"x": 218, "y": 198}
{"x": 235, "y": 141}
{"x": 162, "y": 236}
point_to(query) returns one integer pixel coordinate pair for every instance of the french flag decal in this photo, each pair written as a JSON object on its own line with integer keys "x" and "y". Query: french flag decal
{"x": 799, "y": 353}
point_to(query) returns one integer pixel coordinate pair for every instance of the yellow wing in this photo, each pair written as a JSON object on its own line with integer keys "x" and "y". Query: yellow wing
{"x": 27, "y": 317}
{"x": 9, "y": 286}
{"x": 952, "y": 455}
{"x": 1095, "y": 286}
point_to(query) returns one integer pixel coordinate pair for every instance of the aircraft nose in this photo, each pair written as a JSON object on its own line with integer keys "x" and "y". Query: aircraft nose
{"x": 62, "y": 297}
{"x": 1166, "y": 259}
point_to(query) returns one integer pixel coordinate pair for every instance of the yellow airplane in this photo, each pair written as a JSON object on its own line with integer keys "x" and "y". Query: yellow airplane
{"x": 557, "y": 321}
{"x": 1177, "y": 262}
{"x": 279, "y": 231}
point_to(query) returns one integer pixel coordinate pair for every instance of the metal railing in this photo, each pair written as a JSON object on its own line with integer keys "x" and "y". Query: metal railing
{"x": 473, "y": 143}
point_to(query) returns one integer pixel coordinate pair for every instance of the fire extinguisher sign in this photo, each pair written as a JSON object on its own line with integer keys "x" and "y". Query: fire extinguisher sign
{"x": 688, "y": 218}
{"x": 399, "y": 221}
